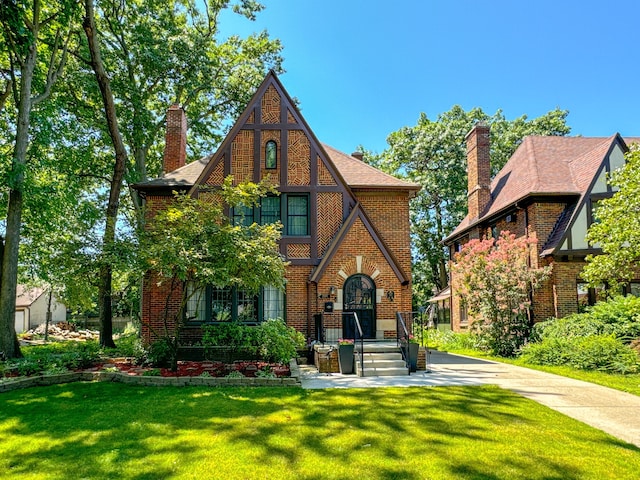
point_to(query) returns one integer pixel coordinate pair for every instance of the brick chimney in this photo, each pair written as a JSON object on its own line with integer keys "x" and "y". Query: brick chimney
{"x": 478, "y": 170}
{"x": 175, "y": 149}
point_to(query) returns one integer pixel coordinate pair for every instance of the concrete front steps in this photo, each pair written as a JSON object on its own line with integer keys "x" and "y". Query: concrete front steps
{"x": 381, "y": 361}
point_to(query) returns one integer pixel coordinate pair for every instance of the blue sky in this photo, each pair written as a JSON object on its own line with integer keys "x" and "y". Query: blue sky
{"x": 365, "y": 68}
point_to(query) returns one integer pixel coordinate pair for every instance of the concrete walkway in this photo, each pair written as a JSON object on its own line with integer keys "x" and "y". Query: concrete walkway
{"x": 613, "y": 411}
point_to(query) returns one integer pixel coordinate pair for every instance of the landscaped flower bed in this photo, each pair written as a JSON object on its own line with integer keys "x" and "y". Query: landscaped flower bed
{"x": 249, "y": 369}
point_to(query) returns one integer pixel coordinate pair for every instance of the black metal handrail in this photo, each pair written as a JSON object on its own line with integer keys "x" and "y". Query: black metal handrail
{"x": 418, "y": 324}
{"x": 361, "y": 339}
{"x": 402, "y": 339}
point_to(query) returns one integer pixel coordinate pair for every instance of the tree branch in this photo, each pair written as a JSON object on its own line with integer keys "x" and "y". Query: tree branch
{"x": 54, "y": 73}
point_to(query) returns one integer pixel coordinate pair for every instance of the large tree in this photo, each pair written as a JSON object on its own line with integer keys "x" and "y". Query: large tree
{"x": 137, "y": 58}
{"x": 433, "y": 154}
{"x": 33, "y": 53}
{"x": 617, "y": 229}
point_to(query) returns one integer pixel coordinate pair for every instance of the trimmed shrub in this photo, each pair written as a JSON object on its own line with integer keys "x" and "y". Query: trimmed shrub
{"x": 279, "y": 343}
{"x": 272, "y": 340}
{"x": 619, "y": 316}
{"x": 594, "y": 352}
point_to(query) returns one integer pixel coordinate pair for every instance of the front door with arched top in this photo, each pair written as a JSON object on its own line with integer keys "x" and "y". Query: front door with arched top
{"x": 359, "y": 295}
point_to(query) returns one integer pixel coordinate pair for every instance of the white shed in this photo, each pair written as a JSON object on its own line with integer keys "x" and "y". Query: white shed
{"x": 31, "y": 308}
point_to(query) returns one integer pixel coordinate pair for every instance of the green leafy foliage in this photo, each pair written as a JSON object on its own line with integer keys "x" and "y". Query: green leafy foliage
{"x": 619, "y": 316}
{"x": 272, "y": 340}
{"x": 450, "y": 340}
{"x": 593, "y": 352}
{"x": 617, "y": 231}
{"x": 192, "y": 242}
{"x": 278, "y": 343}
{"x": 495, "y": 281}
{"x": 55, "y": 357}
{"x": 597, "y": 339}
{"x": 161, "y": 353}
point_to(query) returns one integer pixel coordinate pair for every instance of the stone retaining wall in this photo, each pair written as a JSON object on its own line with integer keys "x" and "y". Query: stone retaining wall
{"x": 43, "y": 380}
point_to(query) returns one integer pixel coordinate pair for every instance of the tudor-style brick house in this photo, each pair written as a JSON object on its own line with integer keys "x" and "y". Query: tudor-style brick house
{"x": 549, "y": 187}
{"x": 345, "y": 224}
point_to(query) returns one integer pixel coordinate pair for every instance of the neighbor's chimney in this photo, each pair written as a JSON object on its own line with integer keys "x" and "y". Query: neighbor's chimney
{"x": 478, "y": 170}
{"x": 175, "y": 149}
{"x": 358, "y": 155}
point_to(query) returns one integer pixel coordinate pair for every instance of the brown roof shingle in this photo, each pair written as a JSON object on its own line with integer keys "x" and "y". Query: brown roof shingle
{"x": 358, "y": 174}
{"x": 545, "y": 166}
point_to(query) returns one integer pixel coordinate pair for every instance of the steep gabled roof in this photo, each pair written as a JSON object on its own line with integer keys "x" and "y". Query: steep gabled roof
{"x": 337, "y": 241}
{"x": 353, "y": 173}
{"x": 546, "y": 166}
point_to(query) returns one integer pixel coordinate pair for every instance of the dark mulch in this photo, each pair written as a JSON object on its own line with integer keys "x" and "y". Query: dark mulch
{"x": 195, "y": 369}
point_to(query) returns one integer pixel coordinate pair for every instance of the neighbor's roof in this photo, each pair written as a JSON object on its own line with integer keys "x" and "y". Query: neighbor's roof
{"x": 355, "y": 172}
{"x": 26, "y": 296}
{"x": 543, "y": 166}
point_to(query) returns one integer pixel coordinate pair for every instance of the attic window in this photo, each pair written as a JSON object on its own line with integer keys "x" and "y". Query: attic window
{"x": 271, "y": 155}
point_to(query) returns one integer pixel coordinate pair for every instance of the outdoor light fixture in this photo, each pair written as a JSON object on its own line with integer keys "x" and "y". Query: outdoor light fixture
{"x": 332, "y": 293}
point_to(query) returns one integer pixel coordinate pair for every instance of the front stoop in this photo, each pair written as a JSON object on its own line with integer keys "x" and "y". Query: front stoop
{"x": 381, "y": 361}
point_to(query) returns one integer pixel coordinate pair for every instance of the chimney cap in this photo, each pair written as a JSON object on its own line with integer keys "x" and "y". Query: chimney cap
{"x": 482, "y": 126}
{"x": 358, "y": 155}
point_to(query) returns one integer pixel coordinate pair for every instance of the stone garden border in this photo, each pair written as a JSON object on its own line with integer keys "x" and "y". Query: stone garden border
{"x": 68, "y": 377}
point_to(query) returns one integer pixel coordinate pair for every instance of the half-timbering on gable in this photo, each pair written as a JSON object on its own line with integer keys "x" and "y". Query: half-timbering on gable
{"x": 345, "y": 224}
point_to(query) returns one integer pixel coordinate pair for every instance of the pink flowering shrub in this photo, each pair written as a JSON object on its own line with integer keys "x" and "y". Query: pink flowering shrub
{"x": 495, "y": 281}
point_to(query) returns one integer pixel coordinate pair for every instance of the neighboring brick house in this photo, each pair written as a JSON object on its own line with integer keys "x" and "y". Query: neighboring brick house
{"x": 549, "y": 188}
{"x": 345, "y": 223}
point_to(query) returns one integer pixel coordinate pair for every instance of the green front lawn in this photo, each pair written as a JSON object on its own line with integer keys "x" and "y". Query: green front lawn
{"x": 104, "y": 430}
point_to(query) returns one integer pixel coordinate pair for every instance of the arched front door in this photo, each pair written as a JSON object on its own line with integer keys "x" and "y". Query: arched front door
{"x": 359, "y": 294}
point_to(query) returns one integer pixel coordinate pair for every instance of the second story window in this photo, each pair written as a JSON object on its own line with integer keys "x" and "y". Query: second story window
{"x": 271, "y": 155}
{"x": 297, "y": 215}
{"x": 270, "y": 210}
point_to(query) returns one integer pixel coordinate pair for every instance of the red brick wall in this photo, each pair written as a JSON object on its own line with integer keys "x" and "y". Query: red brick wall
{"x": 390, "y": 214}
{"x": 359, "y": 243}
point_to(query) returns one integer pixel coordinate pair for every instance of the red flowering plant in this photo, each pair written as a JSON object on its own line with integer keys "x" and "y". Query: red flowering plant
{"x": 495, "y": 280}
{"x": 345, "y": 341}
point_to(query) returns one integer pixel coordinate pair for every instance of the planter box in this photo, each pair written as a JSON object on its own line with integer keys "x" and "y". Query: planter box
{"x": 345, "y": 358}
{"x": 413, "y": 357}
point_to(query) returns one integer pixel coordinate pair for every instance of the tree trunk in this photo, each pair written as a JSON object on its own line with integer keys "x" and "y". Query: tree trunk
{"x": 8, "y": 283}
{"x": 106, "y": 267}
{"x": 47, "y": 321}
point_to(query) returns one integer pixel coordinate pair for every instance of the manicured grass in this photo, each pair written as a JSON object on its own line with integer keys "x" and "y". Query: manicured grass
{"x": 627, "y": 383}
{"x": 102, "y": 430}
